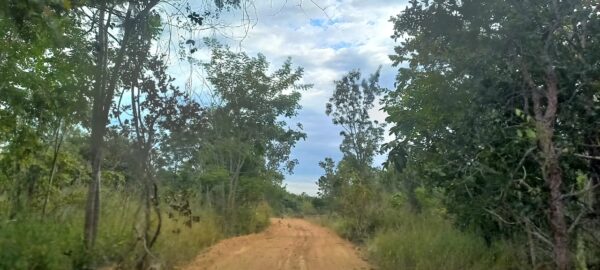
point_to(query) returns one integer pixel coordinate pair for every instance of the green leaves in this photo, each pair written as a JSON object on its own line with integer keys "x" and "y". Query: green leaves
{"x": 349, "y": 108}
{"x": 253, "y": 105}
{"x": 470, "y": 103}
{"x": 528, "y": 133}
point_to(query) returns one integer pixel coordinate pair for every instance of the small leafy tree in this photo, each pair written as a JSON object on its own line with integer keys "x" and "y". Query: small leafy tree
{"x": 247, "y": 123}
{"x": 349, "y": 108}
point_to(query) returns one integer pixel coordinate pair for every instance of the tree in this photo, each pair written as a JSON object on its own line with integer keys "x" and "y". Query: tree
{"x": 116, "y": 26}
{"x": 43, "y": 95}
{"x": 247, "y": 124}
{"x": 349, "y": 108}
{"x": 510, "y": 71}
{"x": 132, "y": 16}
{"x": 157, "y": 109}
{"x": 327, "y": 183}
{"x": 346, "y": 187}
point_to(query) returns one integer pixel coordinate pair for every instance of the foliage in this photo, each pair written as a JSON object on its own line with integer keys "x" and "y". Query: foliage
{"x": 29, "y": 244}
{"x": 349, "y": 108}
{"x": 165, "y": 184}
{"x": 254, "y": 105}
{"x": 474, "y": 78}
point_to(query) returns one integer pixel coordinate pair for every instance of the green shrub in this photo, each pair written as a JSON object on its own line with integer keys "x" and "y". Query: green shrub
{"x": 307, "y": 208}
{"x": 428, "y": 242}
{"x": 341, "y": 226}
{"x": 28, "y": 243}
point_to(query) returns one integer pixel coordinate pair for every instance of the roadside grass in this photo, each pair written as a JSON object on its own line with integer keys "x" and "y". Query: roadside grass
{"x": 181, "y": 243}
{"x": 427, "y": 241}
{"x": 29, "y": 241}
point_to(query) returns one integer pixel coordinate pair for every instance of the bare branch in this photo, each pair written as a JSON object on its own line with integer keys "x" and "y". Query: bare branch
{"x": 587, "y": 156}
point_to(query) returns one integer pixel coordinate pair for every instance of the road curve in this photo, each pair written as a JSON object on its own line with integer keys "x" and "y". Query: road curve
{"x": 287, "y": 244}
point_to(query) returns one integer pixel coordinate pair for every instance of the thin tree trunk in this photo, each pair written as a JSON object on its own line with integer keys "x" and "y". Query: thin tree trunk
{"x": 234, "y": 184}
{"x": 557, "y": 215}
{"x": 58, "y": 139}
{"x": 103, "y": 94}
{"x": 96, "y": 140}
{"x": 554, "y": 174}
{"x": 531, "y": 244}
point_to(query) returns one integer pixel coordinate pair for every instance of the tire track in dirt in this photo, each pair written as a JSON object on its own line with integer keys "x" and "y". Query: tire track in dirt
{"x": 288, "y": 244}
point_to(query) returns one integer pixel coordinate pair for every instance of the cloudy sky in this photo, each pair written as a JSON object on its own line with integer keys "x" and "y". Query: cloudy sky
{"x": 327, "y": 38}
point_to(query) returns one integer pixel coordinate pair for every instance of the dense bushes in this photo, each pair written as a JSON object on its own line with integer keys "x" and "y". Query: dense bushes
{"x": 253, "y": 219}
{"x": 28, "y": 243}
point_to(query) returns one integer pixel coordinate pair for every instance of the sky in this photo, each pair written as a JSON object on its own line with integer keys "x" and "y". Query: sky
{"x": 327, "y": 38}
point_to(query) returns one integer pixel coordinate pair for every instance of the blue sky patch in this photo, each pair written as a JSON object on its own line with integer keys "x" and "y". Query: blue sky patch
{"x": 341, "y": 45}
{"x": 318, "y": 22}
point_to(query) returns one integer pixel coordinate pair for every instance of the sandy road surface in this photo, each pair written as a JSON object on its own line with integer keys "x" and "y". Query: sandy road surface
{"x": 287, "y": 244}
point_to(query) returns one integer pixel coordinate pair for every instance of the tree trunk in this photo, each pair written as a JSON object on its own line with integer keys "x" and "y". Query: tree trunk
{"x": 557, "y": 214}
{"x": 104, "y": 88}
{"x": 545, "y": 117}
{"x": 92, "y": 210}
{"x": 58, "y": 139}
{"x": 553, "y": 177}
{"x": 97, "y": 134}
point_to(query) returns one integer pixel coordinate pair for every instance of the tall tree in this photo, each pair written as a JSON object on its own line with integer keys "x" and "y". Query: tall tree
{"x": 131, "y": 18}
{"x": 349, "y": 108}
{"x": 157, "y": 109}
{"x": 248, "y": 121}
{"x": 118, "y": 27}
{"x": 511, "y": 71}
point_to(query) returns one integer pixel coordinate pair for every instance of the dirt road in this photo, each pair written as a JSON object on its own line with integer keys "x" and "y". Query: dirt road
{"x": 287, "y": 244}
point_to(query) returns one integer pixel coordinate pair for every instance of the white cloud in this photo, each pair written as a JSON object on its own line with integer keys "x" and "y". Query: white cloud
{"x": 302, "y": 185}
{"x": 346, "y": 35}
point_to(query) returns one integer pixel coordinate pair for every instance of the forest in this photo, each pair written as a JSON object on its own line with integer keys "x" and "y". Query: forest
{"x": 490, "y": 143}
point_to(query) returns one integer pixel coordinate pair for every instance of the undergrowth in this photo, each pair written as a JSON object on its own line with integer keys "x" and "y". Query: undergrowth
{"x": 426, "y": 241}
{"x": 30, "y": 241}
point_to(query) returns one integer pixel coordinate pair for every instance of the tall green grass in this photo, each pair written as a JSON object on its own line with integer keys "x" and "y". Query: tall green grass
{"x": 179, "y": 243}
{"x": 29, "y": 241}
{"x": 426, "y": 241}
{"x": 429, "y": 242}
